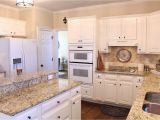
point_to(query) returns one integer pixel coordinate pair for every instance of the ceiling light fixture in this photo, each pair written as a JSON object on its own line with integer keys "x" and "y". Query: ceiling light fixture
{"x": 25, "y": 3}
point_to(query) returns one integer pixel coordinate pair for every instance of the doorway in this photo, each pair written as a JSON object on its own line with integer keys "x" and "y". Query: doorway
{"x": 62, "y": 54}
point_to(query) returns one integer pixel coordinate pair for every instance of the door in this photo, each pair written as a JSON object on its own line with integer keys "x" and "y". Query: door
{"x": 45, "y": 50}
{"x": 87, "y": 30}
{"x": 125, "y": 93}
{"x": 98, "y": 89}
{"x": 81, "y": 72}
{"x": 113, "y": 27}
{"x": 129, "y": 28}
{"x": 76, "y": 108}
{"x": 110, "y": 88}
{"x": 153, "y": 36}
{"x": 74, "y": 31}
{"x": 30, "y": 55}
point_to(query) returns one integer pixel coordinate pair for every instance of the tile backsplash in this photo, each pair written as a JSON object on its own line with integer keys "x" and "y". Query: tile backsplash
{"x": 147, "y": 59}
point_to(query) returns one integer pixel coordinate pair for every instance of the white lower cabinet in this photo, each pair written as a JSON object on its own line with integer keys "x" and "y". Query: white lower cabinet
{"x": 76, "y": 108}
{"x": 66, "y": 106}
{"x": 87, "y": 91}
{"x": 110, "y": 91}
{"x": 61, "y": 112}
{"x": 119, "y": 89}
{"x": 125, "y": 93}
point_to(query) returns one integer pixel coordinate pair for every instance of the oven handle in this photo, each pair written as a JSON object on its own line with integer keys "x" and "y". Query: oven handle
{"x": 81, "y": 64}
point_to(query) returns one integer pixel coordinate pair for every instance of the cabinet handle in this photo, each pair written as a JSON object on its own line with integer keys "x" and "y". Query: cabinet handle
{"x": 29, "y": 117}
{"x": 59, "y": 117}
{"x": 119, "y": 37}
{"x": 58, "y": 102}
{"x": 120, "y": 84}
{"x": 100, "y": 82}
{"x": 77, "y": 91}
{"x": 139, "y": 80}
{"x": 115, "y": 84}
{"x": 124, "y": 37}
{"x": 136, "y": 86}
{"x": 74, "y": 103}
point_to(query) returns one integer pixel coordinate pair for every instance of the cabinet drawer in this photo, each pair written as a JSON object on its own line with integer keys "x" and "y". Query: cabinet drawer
{"x": 50, "y": 104}
{"x": 110, "y": 77}
{"x": 60, "y": 112}
{"x": 87, "y": 91}
{"x": 76, "y": 91}
{"x": 32, "y": 113}
{"x": 126, "y": 78}
{"x": 99, "y": 76}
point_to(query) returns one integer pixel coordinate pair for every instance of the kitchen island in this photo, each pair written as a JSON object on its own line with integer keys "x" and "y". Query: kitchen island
{"x": 150, "y": 84}
{"x": 41, "y": 100}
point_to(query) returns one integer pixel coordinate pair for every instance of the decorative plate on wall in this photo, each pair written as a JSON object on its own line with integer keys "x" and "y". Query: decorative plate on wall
{"x": 124, "y": 55}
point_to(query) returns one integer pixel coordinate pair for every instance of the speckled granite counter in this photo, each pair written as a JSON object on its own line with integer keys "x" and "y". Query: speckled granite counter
{"x": 151, "y": 83}
{"x": 22, "y": 99}
{"x": 122, "y": 73}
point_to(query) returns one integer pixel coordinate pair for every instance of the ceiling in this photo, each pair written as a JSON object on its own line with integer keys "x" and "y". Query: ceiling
{"x": 56, "y": 5}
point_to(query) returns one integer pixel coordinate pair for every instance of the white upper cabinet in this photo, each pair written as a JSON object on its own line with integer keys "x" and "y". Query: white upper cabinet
{"x": 129, "y": 28}
{"x": 11, "y": 27}
{"x": 102, "y": 37}
{"x": 122, "y": 31}
{"x": 81, "y": 30}
{"x": 153, "y": 33}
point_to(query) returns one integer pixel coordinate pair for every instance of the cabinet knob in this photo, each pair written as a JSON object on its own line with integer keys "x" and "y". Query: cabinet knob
{"x": 59, "y": 117}
{"x": 136, "y": 86}
{"x": 119, "y": 37}
{"x": 58, "y": 102}
{"x": 115, "y": 84}
{"x": 29, "y": 117}
{"x": 74, "y": 103}
{"x": 100, "y": 82}
{"x": 124, "y": 37}
{"x": 77, "y": 91}
{"x": 86, "y": 91}
{"x": 120, "y": 84}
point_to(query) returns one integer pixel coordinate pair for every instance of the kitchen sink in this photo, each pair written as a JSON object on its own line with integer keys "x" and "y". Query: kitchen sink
{"x": 152, "y": 103}
{"x": 152, "y": 108}
{"x": 153, "y": 97}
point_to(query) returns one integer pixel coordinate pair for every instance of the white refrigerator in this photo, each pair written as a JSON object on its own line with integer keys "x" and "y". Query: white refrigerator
{"x": 18, "y": 53}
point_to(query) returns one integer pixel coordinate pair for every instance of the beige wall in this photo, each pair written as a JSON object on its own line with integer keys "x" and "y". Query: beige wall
{"x": 6, "y": 11}
{"x": 36, "y": 17}
{"x": 106, "y": 10}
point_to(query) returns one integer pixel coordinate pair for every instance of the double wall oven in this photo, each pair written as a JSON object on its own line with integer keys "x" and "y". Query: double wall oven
{"x": 81, "y": 63}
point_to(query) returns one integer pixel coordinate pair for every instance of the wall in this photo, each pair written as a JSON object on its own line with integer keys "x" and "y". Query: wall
{"x": 106, "y": 10}
{"x": 6, "y": 11}
{"x": 36, "y": 17}
{"x": 136, "y": 59}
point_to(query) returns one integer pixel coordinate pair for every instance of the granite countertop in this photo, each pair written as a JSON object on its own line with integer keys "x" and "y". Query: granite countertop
{"x": 150, "y": 84}
{"x": 24, "y": 98}
{"x": 123, "y": 73}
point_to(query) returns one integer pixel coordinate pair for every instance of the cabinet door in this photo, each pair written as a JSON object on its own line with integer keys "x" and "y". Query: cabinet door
{"x": 114, "y": 29}
{"x": 60, "y": 112}
{"x": 125, "y": 93}
{"x": 76, "y": 108}
{"x": 87, "y": 28}
{"x": 98, "y": 89}
{"x": 74, "y": 31}
{"x": 129, "y": 28}
{"x": 102, "y": 37}
{"x": 110, "y": 90}
{"x": 153, "y": 36}
{"x": 19, "y": 28}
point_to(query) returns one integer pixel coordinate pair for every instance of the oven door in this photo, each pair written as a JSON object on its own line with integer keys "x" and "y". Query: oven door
{"x": 81, "y": 56}
{"x": 81, "y": 72}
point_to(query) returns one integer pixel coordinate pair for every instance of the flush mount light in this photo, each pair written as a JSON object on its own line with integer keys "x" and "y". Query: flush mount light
{"x": 25, "y": 3}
